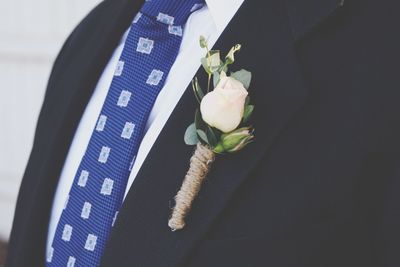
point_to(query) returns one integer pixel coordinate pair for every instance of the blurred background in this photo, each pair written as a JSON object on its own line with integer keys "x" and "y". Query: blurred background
{"x": 31, "y": 34}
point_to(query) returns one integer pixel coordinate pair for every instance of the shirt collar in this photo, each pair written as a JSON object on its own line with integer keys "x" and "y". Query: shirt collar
{"x": 222, "y": 11}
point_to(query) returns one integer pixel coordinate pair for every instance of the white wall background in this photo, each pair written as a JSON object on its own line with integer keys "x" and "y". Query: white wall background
{"x": 31, "y": 33}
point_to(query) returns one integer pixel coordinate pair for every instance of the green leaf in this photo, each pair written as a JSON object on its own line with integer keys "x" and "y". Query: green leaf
{"x": 198, "y": 120}
{"x": 212, "y": 62}
{"x": 243, "y": 76}
{"x": 224, "y": 68}
{"x": 191, "y": 135}
{"x": 230, "y": 58}
{"x": 248, "y": 110}
{"x": 204, "y": 63}
{"x": 198, "y": 92}
{"x": 247, "y": 101}
{"x": 211, "y": 136}
{"x": 203, "y": 42}
{"x": 216, "y": 77}
{"x": 202, "y": 136}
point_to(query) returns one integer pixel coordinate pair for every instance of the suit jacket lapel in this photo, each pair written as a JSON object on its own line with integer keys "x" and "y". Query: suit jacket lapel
{"x": 278, "y": 92}
{"x": 307, "y": 14}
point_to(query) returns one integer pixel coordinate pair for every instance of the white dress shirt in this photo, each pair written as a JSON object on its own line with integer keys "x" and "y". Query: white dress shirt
{"x": 210, "y": 22}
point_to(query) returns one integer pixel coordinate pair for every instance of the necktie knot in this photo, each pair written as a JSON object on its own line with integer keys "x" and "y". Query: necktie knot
{"x": 171, "y": 12}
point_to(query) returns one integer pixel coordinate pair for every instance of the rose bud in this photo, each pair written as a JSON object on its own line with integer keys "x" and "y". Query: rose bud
{"x": 223, "y": 107}
{"x": 235, "y": 140}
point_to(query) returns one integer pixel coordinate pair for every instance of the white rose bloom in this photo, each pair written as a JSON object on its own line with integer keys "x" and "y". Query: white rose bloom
{"x": 223, "y": 107}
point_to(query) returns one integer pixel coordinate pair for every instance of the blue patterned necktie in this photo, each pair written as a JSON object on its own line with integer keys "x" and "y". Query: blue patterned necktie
{"x": 97, "y": 192}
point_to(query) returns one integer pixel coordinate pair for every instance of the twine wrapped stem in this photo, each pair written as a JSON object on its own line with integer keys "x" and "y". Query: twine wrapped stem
{"x": 200, "y": 164}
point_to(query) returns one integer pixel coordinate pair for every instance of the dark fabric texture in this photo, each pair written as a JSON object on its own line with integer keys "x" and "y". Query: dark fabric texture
{"x": 319, "y": 186}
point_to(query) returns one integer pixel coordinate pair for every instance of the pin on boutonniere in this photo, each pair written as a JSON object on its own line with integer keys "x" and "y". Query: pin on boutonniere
{"x": 221, "y": 125}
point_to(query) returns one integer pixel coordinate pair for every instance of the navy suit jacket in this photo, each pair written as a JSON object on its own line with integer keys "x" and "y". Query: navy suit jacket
{"x": 320, "y": 186}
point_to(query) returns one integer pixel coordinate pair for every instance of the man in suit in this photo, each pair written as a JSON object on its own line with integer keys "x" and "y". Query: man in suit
{"x": 318, "y": 187}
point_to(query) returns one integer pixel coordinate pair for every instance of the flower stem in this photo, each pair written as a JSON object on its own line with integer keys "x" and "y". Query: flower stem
{"x": 209, "y": 81}
{"x": 200, "y": 165}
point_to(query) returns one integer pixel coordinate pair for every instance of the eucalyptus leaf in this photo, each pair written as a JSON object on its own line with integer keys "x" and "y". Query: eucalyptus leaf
{"x": 214, "y": 60}
{"x": 203, "y": 42}
{"x": 203, "y": 136}
{"x": 216, "y": 78}
{"x": 248, "y": 110}
{"x": 191, "y": 135}
{"x": 243, "y": 76}
{"x": 204, "y": 63}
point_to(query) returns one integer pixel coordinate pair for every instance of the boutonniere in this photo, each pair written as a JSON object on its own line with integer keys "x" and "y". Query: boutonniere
{"x": 221, "y": 125}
